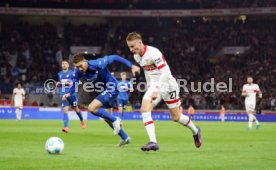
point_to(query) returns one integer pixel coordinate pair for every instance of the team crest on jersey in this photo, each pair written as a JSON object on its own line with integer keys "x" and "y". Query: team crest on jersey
{"x": 145, "y": 62}
{"x": 158, "y": 61}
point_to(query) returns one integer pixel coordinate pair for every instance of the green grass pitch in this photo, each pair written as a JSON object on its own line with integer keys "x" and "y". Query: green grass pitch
{"x": 225, "y": 146}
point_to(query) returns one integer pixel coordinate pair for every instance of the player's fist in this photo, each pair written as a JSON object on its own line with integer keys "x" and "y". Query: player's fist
{"x": 135, "y": 69}
{"x": 65, "y": 96}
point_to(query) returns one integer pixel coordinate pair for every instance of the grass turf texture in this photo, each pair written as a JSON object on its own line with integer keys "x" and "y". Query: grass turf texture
{"x": 225, "y": 146}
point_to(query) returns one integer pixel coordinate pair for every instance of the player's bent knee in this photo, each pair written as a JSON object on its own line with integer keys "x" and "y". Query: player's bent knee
{"x": 175, "y": 118}
{"x": 92, "y": 108}
{"x": 144, "y": 109}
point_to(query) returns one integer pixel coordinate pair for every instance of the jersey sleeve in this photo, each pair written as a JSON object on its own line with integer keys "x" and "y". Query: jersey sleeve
{"x": 76, "y": 77}
{"x": 130, "y": 86}
{"x": 23, "y": 92}
{"x": 14, "y": 91}
{"x": 257, "y": 88}
{"x": 102, "y": 63}
{"x": 243, "y": 88}
{"x": 59, "y": 77}
{"x": 160, "y": 63}
{"x": 158, "y": 59}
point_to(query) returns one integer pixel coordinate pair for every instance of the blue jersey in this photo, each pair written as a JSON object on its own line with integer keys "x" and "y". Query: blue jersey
{"x": 97, "y": 72}
{"x": 65, "y": 77}
{"x": 124, "y": 87}
{"x": 99, "y": 75}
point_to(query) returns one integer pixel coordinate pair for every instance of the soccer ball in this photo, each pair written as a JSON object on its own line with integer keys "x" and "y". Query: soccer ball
{"x": 54, "y": 145}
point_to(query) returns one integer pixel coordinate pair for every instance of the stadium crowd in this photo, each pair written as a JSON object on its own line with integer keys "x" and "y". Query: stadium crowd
{"x": 32, "y": 53}
{"x": 140, "y": 4}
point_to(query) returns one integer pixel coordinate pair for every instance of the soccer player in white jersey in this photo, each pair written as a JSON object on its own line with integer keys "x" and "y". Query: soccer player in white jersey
{"x": 161, "y": 85}
{"x": 249, "y": 91}
{"x": 18, "y": 96}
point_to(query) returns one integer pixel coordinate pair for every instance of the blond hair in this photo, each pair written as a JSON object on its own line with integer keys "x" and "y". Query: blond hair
{"x": 133, "y": 36}
{"x": 123, "y": 73}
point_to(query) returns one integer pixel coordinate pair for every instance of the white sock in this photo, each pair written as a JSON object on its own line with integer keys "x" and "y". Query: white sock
{"x": 254, "y": 118}
{"x": 250, "y": 121}
{"x": 186, "y": 121}
{"x": 149, "y": 125}
{"x": 17, "y": 114}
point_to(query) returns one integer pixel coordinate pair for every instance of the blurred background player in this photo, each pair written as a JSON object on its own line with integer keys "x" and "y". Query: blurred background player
{"x": 18, "y": 96}
{"x": 222, "y": 113}
{"x": 65, "y": 79}
{"x": 96, "y": 72}
{"x": 124, "y": 86}
{"x": 191, "y": 112}
{"x": 249, "y": 91}
{"x": 161, "y": 85}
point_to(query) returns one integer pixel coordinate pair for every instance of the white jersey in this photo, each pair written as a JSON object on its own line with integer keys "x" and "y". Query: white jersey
{"x": 157, "y": 72}
{"x": 18, "y": 96}
{"x": 152, "y": 62}
{"x": 251, "y": 90}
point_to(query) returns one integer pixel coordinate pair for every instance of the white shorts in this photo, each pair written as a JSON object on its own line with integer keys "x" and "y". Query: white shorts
{"x": 18, "y": 103}
{"x": 169, "y": 92}
{"x": 250, "y": 106}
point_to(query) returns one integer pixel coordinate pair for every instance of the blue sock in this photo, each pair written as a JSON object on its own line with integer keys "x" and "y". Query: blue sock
{"x": 121, "y": 133}
{"x": 65, "y": 120}
{"x": 80, "y": 115}
{"x": 105, "y": 115}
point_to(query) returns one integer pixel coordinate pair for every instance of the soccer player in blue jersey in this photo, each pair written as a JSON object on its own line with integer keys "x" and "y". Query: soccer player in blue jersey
{"x": 65, "y": 80}
{"x": 96, "y": 71}
{"x": 125, "y": 86}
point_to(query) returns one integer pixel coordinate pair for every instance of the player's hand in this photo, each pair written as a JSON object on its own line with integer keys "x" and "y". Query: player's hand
{"x": 135, "y": 69}
{"x": 154, "y": 95}
{"x": 65, "y": 96}
{"x": 68, "y": 83}
{"x": 58, "y": 84}
{"x": 245, "y": 94}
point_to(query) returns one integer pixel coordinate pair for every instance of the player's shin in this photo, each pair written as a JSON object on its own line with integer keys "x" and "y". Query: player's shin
{"x": 79, "y": 115}
{"x": 256, "y": 120}
{"x": 149, "y": 125}
{"x": 17, "y": 114}
{"x": 65, "y": 120}
{"x": 250, "y": 120}
{"x": 105, "y": 115}
{"x": 121, "y": 133}
{"x": 186, "y": 121}
{"x": 20, "y": 113}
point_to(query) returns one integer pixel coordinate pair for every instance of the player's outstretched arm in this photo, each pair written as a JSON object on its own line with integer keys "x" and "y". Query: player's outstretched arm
{"x": 110, "y": 59}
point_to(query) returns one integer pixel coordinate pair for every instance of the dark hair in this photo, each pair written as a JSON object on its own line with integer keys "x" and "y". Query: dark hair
{"x": 18, "y": 83}
{"x": 65, "y": 61}
{"x": 77, "y": 58}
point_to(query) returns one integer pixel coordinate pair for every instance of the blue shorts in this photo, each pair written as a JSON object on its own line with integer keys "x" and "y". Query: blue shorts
{"x": 108, "y": 99}
{"x": 71, "y": 101}
{"x": 122, "y": 103}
